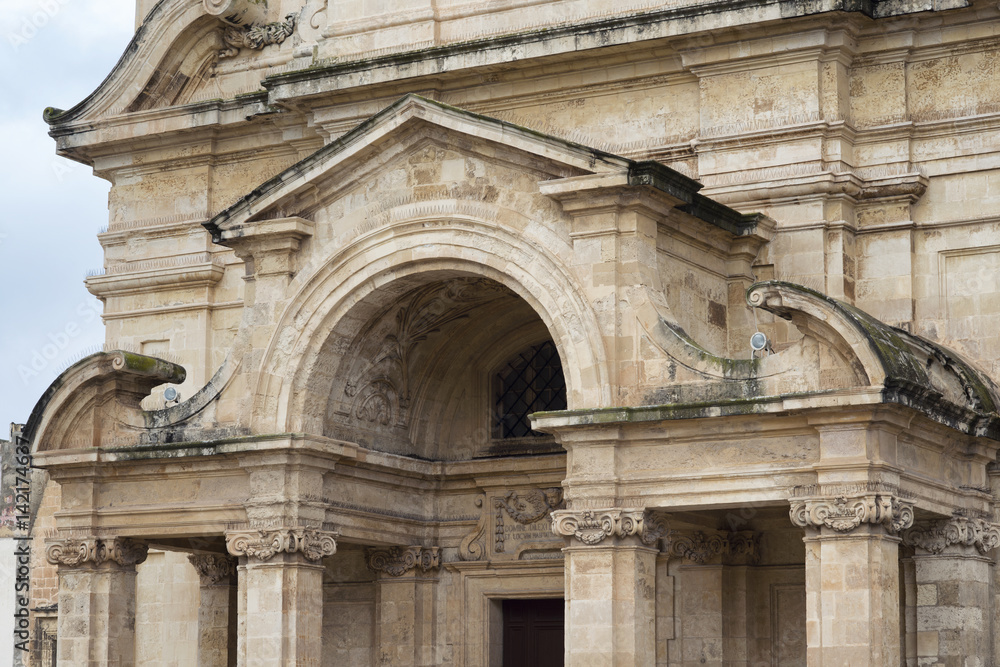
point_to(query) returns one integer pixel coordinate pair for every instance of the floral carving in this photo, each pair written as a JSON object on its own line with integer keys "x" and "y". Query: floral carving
{"x": 256, "y": 37}
{"x": 697, "y": 547}
{"x": 75, "y": 552}
{"x": 264, "y": 544}
{"x": 594, "y": 526}
{"x": 214, "y": 569}
{"x": 524, "y": 508}
{"x": 846, "y": 511}
{"x": 397, "y": 561}
{"x": 936, "y": 536}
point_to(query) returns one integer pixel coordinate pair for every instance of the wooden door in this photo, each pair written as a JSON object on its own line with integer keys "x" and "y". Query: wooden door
{"x": 533, "y": 633}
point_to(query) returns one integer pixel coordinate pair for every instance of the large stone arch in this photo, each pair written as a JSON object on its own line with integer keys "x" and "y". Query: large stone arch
{"x": 295, "y": 382}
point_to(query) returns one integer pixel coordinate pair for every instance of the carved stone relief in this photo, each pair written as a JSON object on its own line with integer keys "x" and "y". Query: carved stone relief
{"x": 742, "y": 548}
{"x": 75, "y": 552}
{"x": 264, "y": 544}
{"x": 844, "y": 508}
{"x": 256, "y": 36}
{"x": 214, "y": 569}
{"x": 379, "y": 386}
{"x": 936, "y": 536}
{"x": 592, "y": 527}
{"x": 397, "y": 561}
{"x": 518, "y": 526}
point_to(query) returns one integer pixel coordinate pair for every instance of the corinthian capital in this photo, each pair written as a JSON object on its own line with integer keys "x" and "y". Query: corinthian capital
{"x": 76, "y": 552}
{"x": 214, "y": 569}
{"x": 397, "y": 561}
{"x": 594, "y": 526}
{"x": 264, "y": 544}
{"x": 936, "y": 536}
{"x": 842, "y": 509}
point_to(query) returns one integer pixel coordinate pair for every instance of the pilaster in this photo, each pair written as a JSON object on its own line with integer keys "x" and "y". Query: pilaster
{"x": 96, "y": 600}
{"x": 282, "y": 585}
{"x": 216, "y": 608}
{"x": 852, "y": 573}
{"x": 952, "y": 576}
{"x": 405, "y": 605}
{"x": 610, "y": 585}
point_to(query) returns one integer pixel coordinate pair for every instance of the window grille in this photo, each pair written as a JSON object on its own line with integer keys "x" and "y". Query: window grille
{"x": 530, "y": 382}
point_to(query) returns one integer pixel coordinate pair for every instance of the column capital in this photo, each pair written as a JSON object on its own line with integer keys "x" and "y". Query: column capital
{"x": 397, "y": 561}
{"x": 214, "y": 569}
{"x": 263, "y": 544}
{"x": 593, "y": 526}
{"x": 700, "y": 547}
{"x": 94, "y": 551}
{"x": 936, "y": 536}
{"x": 842, "y": 508}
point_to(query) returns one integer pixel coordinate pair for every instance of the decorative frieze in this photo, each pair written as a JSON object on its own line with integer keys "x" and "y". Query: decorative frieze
{"x": 75, "y": 552}
{"x": 594, "y": 526}
{"x": 397, "y": 561}
{"x": 214, "y": 569}
{"x": 264, "y": 544}
{"x": 525, "y": 508}
{"x": 934, "y": 537}
{"x": 843, "y": 509}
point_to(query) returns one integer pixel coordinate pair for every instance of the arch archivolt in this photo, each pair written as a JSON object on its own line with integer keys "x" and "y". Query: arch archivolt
{"x": 300, "y": 365}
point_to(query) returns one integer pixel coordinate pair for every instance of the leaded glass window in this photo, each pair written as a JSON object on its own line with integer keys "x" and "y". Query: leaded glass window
{"x": 530, "y": 382}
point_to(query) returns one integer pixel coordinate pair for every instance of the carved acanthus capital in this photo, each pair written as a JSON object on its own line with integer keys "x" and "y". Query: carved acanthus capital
{"x": 76, "y": 552}
{"x": 594, "y": 526}
{"x": 843, "y": 509}
{"x": 214, "y": 569}
{"x": 397, "y": 561}
{"x": 936, "y": 536}
{"x": 742, "y": 548}
{"x": 264, "y": 544}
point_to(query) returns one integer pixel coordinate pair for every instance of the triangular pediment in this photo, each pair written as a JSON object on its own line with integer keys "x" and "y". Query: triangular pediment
{"x": 406, "y": 125}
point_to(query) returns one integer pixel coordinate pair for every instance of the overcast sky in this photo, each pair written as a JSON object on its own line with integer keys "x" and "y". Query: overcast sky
{"x": 52, "y": 53}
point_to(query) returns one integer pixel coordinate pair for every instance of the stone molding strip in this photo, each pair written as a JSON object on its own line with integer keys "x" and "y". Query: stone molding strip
{"x": 397, "y": 561}
{"x": 262, "y": 545}
{"x": 843, "y": 512}
{"x": 76, "y": 552}
{"x": 934, "y": 537}
{"x": 592, "y": 527}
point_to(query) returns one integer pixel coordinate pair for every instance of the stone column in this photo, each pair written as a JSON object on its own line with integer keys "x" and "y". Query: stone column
{"x": 852, "y": 573}
{"x": 215, "y": 610}
{"x": 283, "y": 585}
{"x": 96, "y": 600}
{"x": 405, "y": 622}
{"x": 610, "y": 586}
{"x": 952, "y": 576}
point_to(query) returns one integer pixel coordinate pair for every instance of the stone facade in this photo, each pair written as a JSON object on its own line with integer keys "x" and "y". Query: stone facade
{"x": 421, "y": 307}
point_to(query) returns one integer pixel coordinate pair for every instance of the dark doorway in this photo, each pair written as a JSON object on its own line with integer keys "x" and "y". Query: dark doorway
{"x": 533, "y": 633}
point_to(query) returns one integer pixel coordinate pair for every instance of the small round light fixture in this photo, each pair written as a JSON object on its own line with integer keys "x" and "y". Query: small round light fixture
{"x": 758, "y": 342}
{"x": 170, "y": 394}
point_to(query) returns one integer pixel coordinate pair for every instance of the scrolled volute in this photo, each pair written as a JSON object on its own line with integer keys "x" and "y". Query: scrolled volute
{"x": 594, "y": 526}
{"x": 397, "y": 561}
{"x": 264, "y": 544}
{"x": 936, "y": 536}
{"x": 76, "y": 552}
{"x": 844, "y": 512}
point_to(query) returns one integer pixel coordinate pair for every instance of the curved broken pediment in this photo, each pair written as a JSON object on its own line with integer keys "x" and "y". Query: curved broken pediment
{"x": 95, "y": 402}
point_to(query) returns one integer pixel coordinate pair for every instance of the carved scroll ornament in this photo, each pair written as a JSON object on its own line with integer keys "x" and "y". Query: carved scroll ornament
{"x": 936, "y": 536}
{"x": 594, "y": 526}
{"x": 845, "y": 512}
{"x": 264, "y": 544}
{"x": 397, "y": 561}
{"x": 96, "y": 551}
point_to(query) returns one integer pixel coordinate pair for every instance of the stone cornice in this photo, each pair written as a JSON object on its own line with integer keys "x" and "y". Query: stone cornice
{"x": 844, "y": 508}
{"x": 77, "y": 552}
{"x": 591, "y": 527}
{"x": 262, "y": 545}
{"x": 397, "y": 561}
{"x": 936, "y": 536}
